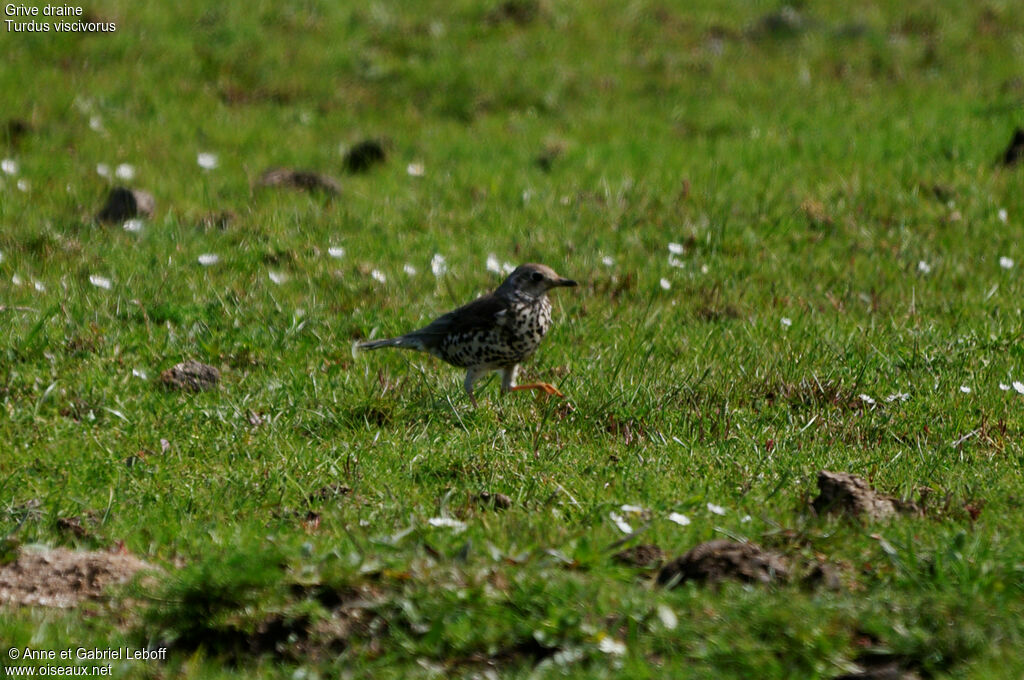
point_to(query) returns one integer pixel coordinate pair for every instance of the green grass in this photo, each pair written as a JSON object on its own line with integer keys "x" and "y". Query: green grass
{"x": 806, "y": 171}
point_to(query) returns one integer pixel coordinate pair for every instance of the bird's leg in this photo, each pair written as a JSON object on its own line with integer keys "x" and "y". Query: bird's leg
{"x": 508, "y": 383}
{"x": 472, "y": 375}
{"x": 543, "y": 387}
{"x": 508, "y": 378}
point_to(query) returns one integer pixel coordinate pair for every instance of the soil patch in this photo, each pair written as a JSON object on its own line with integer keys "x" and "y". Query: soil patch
{"x": 723, "y": 559}
{"x": 58, "y": 577}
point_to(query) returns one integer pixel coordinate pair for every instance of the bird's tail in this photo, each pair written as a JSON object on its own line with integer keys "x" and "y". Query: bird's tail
{"x": 403, "y": 342}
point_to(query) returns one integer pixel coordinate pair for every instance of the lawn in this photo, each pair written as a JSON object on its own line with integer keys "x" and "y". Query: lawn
{"x": 797, "y": 247}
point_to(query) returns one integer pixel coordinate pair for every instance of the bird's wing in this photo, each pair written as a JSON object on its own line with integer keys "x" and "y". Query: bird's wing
{"x": 480, "y": 314}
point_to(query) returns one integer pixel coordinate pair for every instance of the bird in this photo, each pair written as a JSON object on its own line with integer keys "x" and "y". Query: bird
{"x": 495, "y": 332}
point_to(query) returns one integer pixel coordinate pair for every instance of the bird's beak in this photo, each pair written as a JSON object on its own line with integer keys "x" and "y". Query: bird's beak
{"x": 567, "y": 283}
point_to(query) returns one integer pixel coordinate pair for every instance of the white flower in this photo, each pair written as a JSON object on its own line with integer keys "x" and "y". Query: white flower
{"x": 633, "y": 509}
{"x": 745, "y": 519}
{"x": 438, "y": 264}
{"x": 9, "y": 165}
{"x": 924, "y": 267}
{"x": 133, "y": 225}
{"x": 1003, "y": 215}
{"x": 16, "y": 280}
{"x": 378, "y": 275}
{"x": 786, "y": 322}
{"x": 608, "y": 261}
{"x": 867, "y": 400}
{"x": 1006, "y": 262}
{"x": 39, "y": 286}
{"x": 674, "y": 261}
{"x": 897, "y": 396}
{"x": 1018, "y": 387}
{"x": 622, "y": 524}
{"x": 678, "y": 518}
{"x": 1004, "y": 387}
{"x": 337, "y": 252}
{"x": 965, "y": 389}
{"x": 415, "y": 169}
{"x": 96, "y": 123}
{"x": 103, "y": 170}
{"x": 665, "y": 284}
{"x": 23, "y": 184}
{"x": 125, "y": 172}
{"x": 493, "y": 265}
{"x": 667, "y": 617}
{"x": 716, "y": 509}
{"x": 610, "y": 645}
{"x": 100, "y": 281}
{"x": 704, "y": 269}
{"x": 209, "y": 259}
{"x": 409, "y": 269}
{"x": 277, "y": 277}
{"x": 139, "y": 373}
{"x": 507, "y": 268}
{"x": 207, "y": 161}
{"x": 448, "y": 522}
{"x": 675, "y": 248}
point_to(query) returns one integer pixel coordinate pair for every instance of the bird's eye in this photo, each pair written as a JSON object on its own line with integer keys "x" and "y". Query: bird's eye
{"x": 536, "y": 277}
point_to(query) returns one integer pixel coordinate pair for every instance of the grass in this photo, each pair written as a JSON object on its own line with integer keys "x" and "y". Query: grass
{"x": 806, "y": 166}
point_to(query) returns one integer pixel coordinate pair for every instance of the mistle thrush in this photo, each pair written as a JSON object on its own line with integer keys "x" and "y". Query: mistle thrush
{"x": 496, "y": 332}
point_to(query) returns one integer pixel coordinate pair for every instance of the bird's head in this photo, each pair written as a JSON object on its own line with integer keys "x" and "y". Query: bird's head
{"x": 533, "y": 280}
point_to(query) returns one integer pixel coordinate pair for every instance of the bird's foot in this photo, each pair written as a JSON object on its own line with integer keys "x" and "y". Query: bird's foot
{"x": 541, "y": 386}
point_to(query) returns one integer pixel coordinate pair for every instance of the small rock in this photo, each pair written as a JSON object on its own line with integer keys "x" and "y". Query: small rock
{"x": 842, "y": 492}
{"x": 73, "y": 525}
{"x": 300, "y": 179}
{"x": 816, "y": 213}
{"x": 519, "y": 12}
{"x": 552, "y": 152}
{"x": 944, "y": 193}
{"x": 124, "y": 203}
{"x": 191, "y": 375}
{"x": 15, "y": 129}
{"x": 823, "y": 575}
{"x": 724, "y": 559}
{"x": 783, "y": 23}
{"x": 364, "y": 156}
{"x": 645, "y": 556}
{"x": 1015, "y": 151}
{"x": 498, "y": 501}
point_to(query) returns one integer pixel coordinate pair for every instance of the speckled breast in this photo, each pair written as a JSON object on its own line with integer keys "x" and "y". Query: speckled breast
{"x": 509, "y": 341}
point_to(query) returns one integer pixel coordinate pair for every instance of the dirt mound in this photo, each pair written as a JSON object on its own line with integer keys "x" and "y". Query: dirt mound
{"x": 365, "y": 155}
{"x": 644, "y": 556}
{"x": 724, "y": 559}
{"x": 191, "y": 376}
{"x": 1015, "y": 150}
{"x": 124, "y": 203}
{"x": 498, "y": 501}
{"x": 58, "y": 577}
{"x": 300, "y": 179}
{"x": 842, "y": 492}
